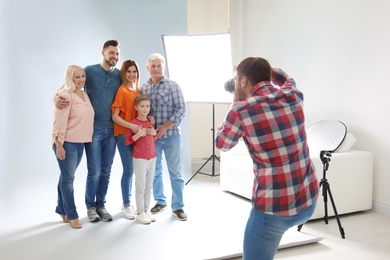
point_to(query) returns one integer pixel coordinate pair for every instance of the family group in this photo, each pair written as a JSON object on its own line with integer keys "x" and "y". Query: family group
{"x": 101, "y": 108}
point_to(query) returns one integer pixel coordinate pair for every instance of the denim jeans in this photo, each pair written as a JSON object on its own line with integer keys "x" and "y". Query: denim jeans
{"x": 126, "y": 153}
{"x": 100, "y": 155}
{"x": 171, "y": 146}
{"x": 263, "y": 232}
{"x": 65, "y": 200}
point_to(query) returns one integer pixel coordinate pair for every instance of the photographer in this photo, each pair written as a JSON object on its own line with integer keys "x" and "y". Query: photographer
{"x": 271, "y": 121}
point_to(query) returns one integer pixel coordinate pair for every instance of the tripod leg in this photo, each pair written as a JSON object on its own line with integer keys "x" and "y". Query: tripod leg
{"x": 199, "y": 170}
{"x": 325, "y": 188}
{"x": 300, "y": 227}
{"x": 213, "y": 156}
{"x": 336, "y": 214}
{"x": 213, "y": 165}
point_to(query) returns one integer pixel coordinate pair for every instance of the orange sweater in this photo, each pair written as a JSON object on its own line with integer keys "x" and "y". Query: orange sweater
{"x": 124, "y": 99}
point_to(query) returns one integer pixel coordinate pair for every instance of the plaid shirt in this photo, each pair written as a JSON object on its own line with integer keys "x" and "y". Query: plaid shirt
{"x": 271, "y": 123}
{"x": 167, "y": 103}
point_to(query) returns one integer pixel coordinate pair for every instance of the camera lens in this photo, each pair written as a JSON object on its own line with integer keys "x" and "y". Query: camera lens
{"x": 229, "y": 85}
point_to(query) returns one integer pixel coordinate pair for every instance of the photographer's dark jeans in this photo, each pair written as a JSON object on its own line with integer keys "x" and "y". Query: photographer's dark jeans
{"x": 65, "y": 199}
{"x": 100, "y": 155}
{"x": 263, "y": 232}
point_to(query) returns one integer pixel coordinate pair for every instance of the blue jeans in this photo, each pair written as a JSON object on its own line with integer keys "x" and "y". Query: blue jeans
{"x": 171, "y": 146}
{"x": 263, "y": 232}
{"x": 126, "y": 153}
{"x": 65, "y": 200}
{"x": 100, "y": 155}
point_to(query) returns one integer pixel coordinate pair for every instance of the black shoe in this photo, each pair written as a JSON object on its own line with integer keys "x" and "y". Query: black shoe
{"x": 180, "y": 215}
{"x": 158, "y": 208}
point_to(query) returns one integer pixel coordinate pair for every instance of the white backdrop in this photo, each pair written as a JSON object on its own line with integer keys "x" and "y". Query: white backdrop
{"x": 38, "y": 40}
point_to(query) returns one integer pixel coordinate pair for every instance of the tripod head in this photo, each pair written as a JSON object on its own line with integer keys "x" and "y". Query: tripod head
{"x": 325, "y": 156}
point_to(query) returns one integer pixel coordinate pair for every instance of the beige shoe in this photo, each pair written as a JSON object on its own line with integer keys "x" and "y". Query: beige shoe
{"x": 64, "y": 218}
{"x": 75, "y": 223}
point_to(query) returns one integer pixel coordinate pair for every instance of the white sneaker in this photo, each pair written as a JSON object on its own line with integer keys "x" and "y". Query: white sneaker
{"x": 150, "y": 216}
{"x": 128, "y": 212}
{"x": 142, "y": 218}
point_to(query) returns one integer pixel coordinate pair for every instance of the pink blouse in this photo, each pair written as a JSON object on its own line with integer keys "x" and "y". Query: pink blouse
{"x": 74, "y": 123}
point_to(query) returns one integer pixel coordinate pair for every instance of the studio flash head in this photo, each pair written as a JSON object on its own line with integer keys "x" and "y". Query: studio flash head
{"x": 229, "y": 85}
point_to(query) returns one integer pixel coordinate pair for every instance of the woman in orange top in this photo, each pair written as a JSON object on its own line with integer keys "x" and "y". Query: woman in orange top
{"x": 123, "y": 112}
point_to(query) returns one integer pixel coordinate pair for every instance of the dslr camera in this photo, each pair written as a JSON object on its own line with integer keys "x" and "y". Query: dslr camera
{"x": 229, "y": 85}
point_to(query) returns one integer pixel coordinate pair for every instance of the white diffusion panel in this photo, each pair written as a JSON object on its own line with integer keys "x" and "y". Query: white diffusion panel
{"x": 201, "y": 64}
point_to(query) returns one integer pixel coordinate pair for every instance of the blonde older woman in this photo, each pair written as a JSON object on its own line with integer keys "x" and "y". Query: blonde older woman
{"x": 72, "y": 127}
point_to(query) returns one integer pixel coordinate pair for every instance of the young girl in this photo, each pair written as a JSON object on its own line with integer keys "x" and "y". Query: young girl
{"x": 144, "y": 158}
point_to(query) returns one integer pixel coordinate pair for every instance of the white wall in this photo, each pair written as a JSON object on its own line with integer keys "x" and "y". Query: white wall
{"x": 337, "y": 51}
{"x": 38, "y": 39}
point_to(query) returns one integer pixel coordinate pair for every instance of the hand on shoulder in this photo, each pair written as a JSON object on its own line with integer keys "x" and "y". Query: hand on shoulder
{"x": 62, "y": 101}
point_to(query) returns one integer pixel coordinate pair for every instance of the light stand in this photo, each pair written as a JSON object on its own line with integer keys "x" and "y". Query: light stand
{"x": 325, "y": 158}
{"x": 213, "y": 157}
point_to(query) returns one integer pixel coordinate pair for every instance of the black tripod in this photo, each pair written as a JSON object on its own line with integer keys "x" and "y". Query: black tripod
{"x": 213, "y": 157}
{"x": 325, "y": 158}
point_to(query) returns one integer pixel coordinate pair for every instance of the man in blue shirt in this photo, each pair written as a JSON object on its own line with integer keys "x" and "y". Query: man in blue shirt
{"x": 103, "y": 81}
{"x": 168, "y": 109}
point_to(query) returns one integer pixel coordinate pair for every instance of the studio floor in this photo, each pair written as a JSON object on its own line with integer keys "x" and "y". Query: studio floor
{"x": 214, "y": 230}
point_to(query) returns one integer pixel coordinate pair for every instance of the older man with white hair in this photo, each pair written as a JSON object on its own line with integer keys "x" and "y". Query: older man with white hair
{"x": 168, "y": 109}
